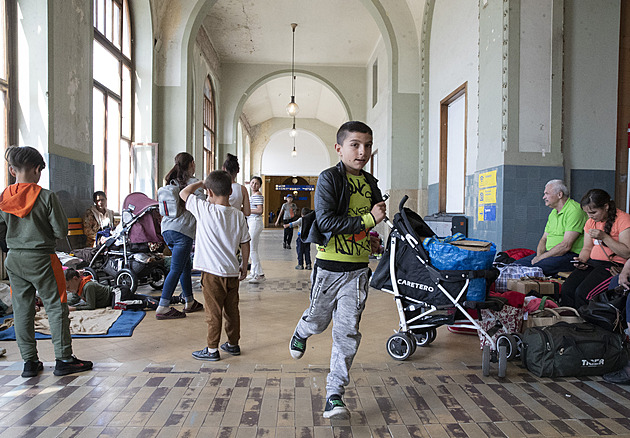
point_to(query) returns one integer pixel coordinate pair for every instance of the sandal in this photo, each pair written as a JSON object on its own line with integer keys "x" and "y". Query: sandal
{"x": 172, "y": 313}
{"x": 195, "y": 307}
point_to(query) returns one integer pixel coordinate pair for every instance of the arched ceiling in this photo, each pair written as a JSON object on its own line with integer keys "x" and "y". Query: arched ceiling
{"x": 329, "y": 33}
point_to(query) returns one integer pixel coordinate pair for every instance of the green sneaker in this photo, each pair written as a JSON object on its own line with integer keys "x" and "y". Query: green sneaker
{"x": 336, "y": 408}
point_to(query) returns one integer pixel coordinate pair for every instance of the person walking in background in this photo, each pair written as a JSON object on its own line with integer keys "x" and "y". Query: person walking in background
{"x": 179, "y": 234}
{"x": 288, "y": 213}
{"x": 255, "y": 223}
{"x": 303, "y": 248}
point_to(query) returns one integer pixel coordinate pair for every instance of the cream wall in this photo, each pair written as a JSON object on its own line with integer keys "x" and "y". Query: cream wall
{"x": 454, "y": 52}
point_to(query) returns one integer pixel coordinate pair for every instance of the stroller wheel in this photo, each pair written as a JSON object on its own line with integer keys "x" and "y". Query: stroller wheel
{"x": 92, "y": 272}
{"x": 485, "y": 360}
{"x": 432, "y": 335}
{"x": 400, "y": 346}
{"x": 126, "y": 277}
{"x": 423, "y": 339}
{"x": 503, "y": 359}
{"x": 519, "y": 343}
{"x": 511, "y": 345}
{"x": 157, "y": 277}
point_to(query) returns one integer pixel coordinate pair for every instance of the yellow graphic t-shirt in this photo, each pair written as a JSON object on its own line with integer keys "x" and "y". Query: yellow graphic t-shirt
{"x": 353, "y": 248}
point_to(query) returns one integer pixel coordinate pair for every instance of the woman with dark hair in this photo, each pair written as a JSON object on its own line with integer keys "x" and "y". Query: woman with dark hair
{"x": 606, "y": 243}
{"x": 239, "y": 198}
{"x": 97, "y": 219}
{"x": 179, "y": 234}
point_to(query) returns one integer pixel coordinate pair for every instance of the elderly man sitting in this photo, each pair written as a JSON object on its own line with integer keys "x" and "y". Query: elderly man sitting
{"x": 564, "y": 233}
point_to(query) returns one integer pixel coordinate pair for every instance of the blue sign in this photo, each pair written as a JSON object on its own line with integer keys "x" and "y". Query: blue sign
{"x": 305, "y": 188}
{"x": 490, "y": 212}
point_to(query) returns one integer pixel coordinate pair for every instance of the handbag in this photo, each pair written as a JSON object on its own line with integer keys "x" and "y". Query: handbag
{"x": 549, "y": 316}
{"x": 606, "y": 309}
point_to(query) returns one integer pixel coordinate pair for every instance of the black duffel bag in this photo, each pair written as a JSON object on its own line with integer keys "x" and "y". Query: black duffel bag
{"x": 571, "y": 350}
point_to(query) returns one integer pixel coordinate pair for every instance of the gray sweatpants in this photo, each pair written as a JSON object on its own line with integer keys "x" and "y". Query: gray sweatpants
{"x": 340, "y": 297}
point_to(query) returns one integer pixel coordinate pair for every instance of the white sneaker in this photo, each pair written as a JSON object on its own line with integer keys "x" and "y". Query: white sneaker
{"x": 257, "y": 279}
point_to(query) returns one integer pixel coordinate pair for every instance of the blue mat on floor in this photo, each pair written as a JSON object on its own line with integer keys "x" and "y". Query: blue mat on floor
{"x": 123, "y": 326}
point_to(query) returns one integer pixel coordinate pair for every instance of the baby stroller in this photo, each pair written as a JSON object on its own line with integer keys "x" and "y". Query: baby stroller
{"x": 426, "y": 297}
{"x": 126, "y": 257}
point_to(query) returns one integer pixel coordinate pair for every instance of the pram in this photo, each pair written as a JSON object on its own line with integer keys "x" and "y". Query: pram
{"x": 126, "y": 257}
{"x": 426, "y": 297}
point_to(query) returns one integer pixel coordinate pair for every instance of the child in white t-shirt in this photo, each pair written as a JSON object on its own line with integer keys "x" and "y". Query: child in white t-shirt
{"x": 221, "y": 229}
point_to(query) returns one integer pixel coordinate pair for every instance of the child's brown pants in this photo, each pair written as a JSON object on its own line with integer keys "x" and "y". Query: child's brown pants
{"x": 221, "y": 300}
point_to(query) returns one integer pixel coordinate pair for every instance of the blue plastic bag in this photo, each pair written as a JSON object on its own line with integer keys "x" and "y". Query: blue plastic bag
{"x": 445, "y": 256}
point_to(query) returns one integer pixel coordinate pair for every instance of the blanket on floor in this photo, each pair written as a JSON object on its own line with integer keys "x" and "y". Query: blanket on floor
{"x": 82, "y": 322}
{"x": 97, "y": 323}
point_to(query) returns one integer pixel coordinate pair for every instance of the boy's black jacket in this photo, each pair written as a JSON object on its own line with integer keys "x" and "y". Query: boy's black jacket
{"x": 332, "y": 200}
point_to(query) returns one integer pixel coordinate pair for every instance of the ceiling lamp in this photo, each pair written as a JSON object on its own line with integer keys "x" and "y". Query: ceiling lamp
{"x": 293, "y": 132}
{"x": 294, "y": 151}
{"x": 292, "y": 107}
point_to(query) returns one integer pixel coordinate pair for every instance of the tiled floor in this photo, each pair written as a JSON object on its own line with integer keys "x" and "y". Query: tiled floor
{"x": 149, "y": 385}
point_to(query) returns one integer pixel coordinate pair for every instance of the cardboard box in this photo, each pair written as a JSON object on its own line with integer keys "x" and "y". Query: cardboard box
{"x": 472, "y": 245}
{"x": 526, "y": 286}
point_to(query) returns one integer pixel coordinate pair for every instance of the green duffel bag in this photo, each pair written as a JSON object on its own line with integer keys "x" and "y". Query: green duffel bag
{"x": 572, "y": 350}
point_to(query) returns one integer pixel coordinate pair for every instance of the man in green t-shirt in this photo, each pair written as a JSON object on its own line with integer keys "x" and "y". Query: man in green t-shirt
{"x": 564, "y": 233}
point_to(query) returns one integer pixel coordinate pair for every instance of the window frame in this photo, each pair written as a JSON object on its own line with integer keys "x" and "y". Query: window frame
{"x": 209, "y": 125}
{"x": 461, "y": 91}
{"x": 124, "y": 62}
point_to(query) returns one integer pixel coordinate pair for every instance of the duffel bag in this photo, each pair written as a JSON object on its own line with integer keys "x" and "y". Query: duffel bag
{"x": 572, "y": 350}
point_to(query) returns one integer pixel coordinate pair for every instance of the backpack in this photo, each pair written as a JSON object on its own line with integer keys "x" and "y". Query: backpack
{"x": 169, "y": 201}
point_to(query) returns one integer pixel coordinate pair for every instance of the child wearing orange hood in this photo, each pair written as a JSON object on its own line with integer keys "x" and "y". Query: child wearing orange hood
{"x": 31, "y": 219}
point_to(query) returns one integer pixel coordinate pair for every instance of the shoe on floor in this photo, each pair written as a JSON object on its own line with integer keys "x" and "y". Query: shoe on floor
{"x": 297, "y": 347}
{"x": 205, "y": 354}
{"x": 32, "y": 368}
{"x": 172, "y": 313}
{"x": 309, "y": 267}
{"x": 620, "y": 377}
{"x": 195, "y": 307}
{"x": 288, "y": 246}
{"x": 336, "y": 408}
{"x": 3, "y": 351}
{"x": 234, "y": 351}
{"x": 75, "y": 366}
{"x": 284, "y": 245}
{"x": 257, "y": 279}
{"x": 299, "y": 267}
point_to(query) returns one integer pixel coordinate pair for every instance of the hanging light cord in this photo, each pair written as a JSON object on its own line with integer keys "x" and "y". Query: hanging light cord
{"x": 293, "y": 26}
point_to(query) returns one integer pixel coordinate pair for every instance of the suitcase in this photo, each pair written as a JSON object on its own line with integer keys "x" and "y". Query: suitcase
{"x": 572, "y": 350}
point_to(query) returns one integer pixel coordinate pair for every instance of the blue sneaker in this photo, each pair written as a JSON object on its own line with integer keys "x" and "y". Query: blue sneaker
{"x": 205, "y": 354}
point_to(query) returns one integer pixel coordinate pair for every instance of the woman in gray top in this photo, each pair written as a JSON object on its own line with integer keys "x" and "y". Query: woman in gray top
{"x": 179, "y": 234}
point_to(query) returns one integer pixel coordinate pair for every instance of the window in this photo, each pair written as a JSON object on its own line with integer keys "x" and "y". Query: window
{"x": 453, "y": 116}
{"x": 7, "y": 84}
{"x": 112, "y": 99}
{"x": 209, "y": 131}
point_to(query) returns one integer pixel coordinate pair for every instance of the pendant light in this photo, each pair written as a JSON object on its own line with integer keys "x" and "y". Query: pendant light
{"x": 292, "y": 107}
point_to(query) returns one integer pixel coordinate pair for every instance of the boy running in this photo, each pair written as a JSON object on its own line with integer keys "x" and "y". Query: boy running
{"x": 347, "y": 204}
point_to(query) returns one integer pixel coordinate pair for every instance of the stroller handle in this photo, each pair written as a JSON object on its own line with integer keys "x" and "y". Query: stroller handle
{"x": 402, "y": 202}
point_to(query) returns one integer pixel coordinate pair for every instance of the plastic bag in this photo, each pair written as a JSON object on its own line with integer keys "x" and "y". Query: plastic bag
{"x": 445, "y": 256}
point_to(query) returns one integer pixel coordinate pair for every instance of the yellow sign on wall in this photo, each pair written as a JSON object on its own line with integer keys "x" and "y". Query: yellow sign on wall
{"x": 488, "y": 179}
{"x": 488, "y": 196}
{"x": 480, "y": 213}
